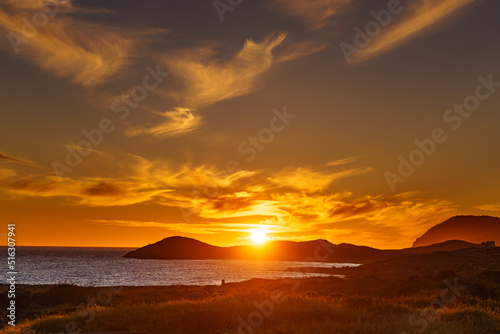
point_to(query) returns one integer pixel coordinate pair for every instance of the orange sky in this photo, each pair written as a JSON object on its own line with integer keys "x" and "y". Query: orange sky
{"x": 123, "y": 132}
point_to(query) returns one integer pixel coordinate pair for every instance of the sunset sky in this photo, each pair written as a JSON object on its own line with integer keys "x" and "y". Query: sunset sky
{"x": 127, "y": 121}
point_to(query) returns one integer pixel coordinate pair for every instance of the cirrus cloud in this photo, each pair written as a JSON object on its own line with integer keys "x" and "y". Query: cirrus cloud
{"x": 424, "y": 15}
{"x": 206, "y": 81}
{"x": 85, "y": 53}
{"x": 179, "y": 122}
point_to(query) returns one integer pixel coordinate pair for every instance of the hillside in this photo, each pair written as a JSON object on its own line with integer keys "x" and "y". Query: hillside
{"x": 186, "y": 248}
{"x": 461, "y": 262}
{"x": 178, "y": 248}
{"x": 474, "y": 229}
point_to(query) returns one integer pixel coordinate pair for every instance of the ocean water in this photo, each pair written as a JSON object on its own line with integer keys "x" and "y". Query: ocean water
{"x": 107, "y": 267}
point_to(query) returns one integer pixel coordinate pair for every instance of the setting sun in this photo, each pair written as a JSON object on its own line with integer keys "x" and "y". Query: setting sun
{"x": 259, "y": 236}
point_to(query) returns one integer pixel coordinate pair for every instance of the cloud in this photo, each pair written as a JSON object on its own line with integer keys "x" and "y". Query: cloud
{"x": 342, "y": 217}
{"x": 207, "y": 80}
{"x": 64, "y": 6}
{"x": 85, "y": 53}
{"x": 6, "y": 173}
{"x": 221, "y": 208}
{"x": 179, "y": 122}
{"x": 424, "y": 15}
{"x": 489, "y": 207}
{"x": 85, "y": 191}
{"x": 16, "y": 160}
{"x": 127, "y": 182}
{"x": 316, "y": 179}
{"x": 358, "y": 207}
{"x": 173, "y": 227}
{"x": 39, "y": 4}
{"x": 387, "y": 221}
{"x": 314, "y": 12}
{"x": 298, "y": 50}
{"x": 285, "y": 202}
{"x": 103, "y": 189}
{"x": 313, "y": 181}
{"x": 127, "y": 179}
{"x": 209, "y": 227}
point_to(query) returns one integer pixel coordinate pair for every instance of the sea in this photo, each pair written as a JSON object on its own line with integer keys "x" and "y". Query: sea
{"x": 107, "y": 267}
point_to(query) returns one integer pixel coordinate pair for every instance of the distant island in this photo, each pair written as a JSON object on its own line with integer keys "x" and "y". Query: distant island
{"x": 458, "y": 229}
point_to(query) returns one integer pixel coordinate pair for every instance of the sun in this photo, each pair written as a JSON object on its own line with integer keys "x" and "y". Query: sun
{"x": 258, "y": 236}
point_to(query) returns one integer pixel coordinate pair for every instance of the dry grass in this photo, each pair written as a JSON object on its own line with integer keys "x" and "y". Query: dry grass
{"x": 309, "y": 306}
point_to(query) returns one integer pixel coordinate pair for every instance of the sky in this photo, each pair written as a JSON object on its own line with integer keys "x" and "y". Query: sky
{"x": 357, "y": 121}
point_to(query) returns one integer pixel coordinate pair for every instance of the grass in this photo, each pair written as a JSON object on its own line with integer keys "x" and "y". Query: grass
{"x": 319, "y": 305}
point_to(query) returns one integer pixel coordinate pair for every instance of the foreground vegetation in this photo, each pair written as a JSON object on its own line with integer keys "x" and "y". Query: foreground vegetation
{"x": 442, "y": 303}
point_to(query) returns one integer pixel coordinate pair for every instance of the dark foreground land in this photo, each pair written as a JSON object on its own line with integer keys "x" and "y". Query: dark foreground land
{"x": 445, "y": 293}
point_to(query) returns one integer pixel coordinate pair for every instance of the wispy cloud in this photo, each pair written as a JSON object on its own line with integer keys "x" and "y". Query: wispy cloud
{"x": 296, "y": 50}
{"x": 7, "y": 173}
{"x": 390, "y": 221}
{"x": 417, "y": 18}
{"x": 176, "y": 227}
{"x": 315, "y": 13}
{"x": 489, "y": 207}
{"x": 312, "y": 180}
{"x": 85, "y": 191}
{"x": 38, "y": 4}
{"x": 132, "y": 179}
{"x": 179, "y": 122}
{"x": 206, "y": 80}
{"x": 209, "y": 227}
{"x": 16, "y": 160}
{"x": 317, "y": 178}
{"x": 293, "y": 201}
{"x": 85, "y": 53}
{"x": 423, "y": 16}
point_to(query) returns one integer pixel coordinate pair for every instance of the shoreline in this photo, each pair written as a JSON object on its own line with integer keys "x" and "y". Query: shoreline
{"x": 294, "y": 302}
{"x": 464, "y": 284}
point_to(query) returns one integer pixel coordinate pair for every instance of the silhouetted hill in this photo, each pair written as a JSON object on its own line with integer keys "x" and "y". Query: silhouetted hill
{"x": 178, "y": 248}
{"x": 187, "y": 248}
{"x": 461, "y": 262}
{"x": 315, "y": 250}
{"x": 474, "y": 229}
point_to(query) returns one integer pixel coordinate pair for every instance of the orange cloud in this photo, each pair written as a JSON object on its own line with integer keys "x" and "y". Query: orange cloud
{"x": 391, "y": 222}
{"x": 84, "y": 191}
{"x": 312, "y": 181}
{"x": 489, "y": 207}
{"x": 179, "y": 122}
{"x": 130, "y": 179}
{"x": 6, "y": 173}
{"x": 207, "y": 81}
{"x": 208, "y": 227}
{"x": 316, "y": 178}
{"x": 16, "y": 160}
{"x": 287, "y": 207}
{"x": 424, "y": 15}
{"x": 87, "y": 54}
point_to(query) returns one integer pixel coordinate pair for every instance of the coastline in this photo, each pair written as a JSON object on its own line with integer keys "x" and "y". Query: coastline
{"x": 379, "y": 298}
{"x": 356, "y": 304}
